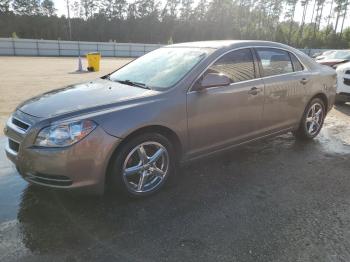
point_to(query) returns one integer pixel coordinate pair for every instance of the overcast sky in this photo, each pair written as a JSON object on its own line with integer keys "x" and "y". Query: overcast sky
{"x": 62, "y": 10}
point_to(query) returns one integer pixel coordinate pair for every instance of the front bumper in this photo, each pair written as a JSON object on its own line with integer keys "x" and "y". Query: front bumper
{"x": 343, "y": 87}
{"x": 82, "y": 165}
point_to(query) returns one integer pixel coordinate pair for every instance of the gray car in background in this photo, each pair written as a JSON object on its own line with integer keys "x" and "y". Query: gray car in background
{"x": 130, "y": 129}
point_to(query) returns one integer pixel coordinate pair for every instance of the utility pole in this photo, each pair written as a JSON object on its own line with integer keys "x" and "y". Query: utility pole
{"x": 69, "y": 23}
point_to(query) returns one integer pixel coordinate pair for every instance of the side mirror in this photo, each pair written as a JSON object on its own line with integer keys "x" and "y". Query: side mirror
{"x": 212, "y": 79}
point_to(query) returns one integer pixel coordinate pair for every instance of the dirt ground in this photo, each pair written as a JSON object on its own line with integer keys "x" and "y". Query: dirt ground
{"x": 24, "y": 77}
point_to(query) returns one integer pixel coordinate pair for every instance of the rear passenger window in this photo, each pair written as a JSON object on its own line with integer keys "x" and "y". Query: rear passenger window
{"x": 274, "y": 61}
{"x": 296, "y": 63}
{"x": 237, "y": 65}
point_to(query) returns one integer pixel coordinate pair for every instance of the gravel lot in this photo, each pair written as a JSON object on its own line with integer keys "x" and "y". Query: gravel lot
{"x": 275, "y": 200}
{"x": 24, "y": 77}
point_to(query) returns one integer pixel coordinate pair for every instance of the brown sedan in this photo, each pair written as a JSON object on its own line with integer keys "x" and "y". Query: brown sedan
{"x": 130, "y": 129}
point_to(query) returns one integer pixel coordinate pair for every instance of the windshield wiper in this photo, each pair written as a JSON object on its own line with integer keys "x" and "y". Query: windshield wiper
{"x": 132, "y": 83}
{"x": 106, "y": 77}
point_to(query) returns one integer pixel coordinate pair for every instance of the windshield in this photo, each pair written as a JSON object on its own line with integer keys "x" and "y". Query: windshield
{"x": 340, "y": 55}
{"x": 160, "y": 69}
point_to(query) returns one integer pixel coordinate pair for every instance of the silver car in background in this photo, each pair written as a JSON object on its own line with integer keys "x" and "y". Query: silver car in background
{"x": 130, "y": 129}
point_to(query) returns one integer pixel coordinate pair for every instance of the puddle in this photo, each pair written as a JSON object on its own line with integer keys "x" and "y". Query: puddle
{"x": 11, "y": 186}
{"x": 335, "y": 135}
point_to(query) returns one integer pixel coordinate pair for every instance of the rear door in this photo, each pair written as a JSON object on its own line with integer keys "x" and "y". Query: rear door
{"x": 285, "y": 88}
{"x": 220, "y": 116}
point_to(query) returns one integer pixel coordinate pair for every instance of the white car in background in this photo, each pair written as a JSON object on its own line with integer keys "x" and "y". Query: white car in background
{"x": 343, "y": 83}
{"x": 334, "y": 58}
{"x": 324, "y": 54}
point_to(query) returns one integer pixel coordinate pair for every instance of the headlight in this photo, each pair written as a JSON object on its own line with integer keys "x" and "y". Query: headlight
{"x": 64, "y": 134}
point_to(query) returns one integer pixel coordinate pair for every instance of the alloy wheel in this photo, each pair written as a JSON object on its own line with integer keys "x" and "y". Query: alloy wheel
{"x": 145, "y": 167}
{"x": 314, "y": 119}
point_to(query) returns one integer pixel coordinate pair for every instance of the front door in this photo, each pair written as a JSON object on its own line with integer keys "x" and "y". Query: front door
{"x": 221, "y": 116}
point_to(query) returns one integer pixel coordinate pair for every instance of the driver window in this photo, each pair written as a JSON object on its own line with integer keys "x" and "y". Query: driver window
{"x": 237, "y": 65}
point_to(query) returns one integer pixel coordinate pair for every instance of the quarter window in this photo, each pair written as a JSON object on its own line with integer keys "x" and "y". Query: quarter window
{"x": 296, "y": 63}
{"x": 237, "y": 65}
{"x": 275, "y": 61}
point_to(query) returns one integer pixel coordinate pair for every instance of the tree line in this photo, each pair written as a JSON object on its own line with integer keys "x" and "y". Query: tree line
{"x": 152, "y": 21}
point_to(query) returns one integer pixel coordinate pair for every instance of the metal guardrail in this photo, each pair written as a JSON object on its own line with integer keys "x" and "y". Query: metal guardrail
{"x": 33, "y": 47}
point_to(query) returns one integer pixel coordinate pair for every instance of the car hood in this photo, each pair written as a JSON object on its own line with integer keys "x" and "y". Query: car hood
{"x": 344, "y": 66}
{"x": 81, "y": 96}
{"x": 331, "y": 62}
{"x": 318, "y": 58}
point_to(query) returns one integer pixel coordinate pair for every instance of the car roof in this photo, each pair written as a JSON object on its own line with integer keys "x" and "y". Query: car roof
{"x": 227, "y": 43}
{"x": 223, "y": 45}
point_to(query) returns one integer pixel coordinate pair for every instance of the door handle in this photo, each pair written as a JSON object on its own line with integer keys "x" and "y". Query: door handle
{"x": 304, "y": 81}
{"x": 254, "y": 91}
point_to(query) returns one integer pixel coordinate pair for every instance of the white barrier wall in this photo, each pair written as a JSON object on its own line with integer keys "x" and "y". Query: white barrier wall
{"x": 33, "y": 47}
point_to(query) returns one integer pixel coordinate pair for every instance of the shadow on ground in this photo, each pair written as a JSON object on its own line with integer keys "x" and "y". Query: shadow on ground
{"x": 343, "y": 108}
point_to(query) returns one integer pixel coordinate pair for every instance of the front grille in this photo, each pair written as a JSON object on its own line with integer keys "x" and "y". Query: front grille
{"x": 13, "y": 145}
{"x": 344, "y": 94}
{"x": 50, "y": 180}
{"x": 347, "y": 81}
{"x": 19, "y": 124}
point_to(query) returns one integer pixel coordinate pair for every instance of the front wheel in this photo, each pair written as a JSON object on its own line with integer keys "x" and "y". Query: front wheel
{"x": 312, "y": 121}
{"x": 142, "y": 165}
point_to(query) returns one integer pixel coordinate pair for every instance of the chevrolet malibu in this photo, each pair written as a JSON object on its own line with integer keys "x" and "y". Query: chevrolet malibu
{"x": 130, "y": 129}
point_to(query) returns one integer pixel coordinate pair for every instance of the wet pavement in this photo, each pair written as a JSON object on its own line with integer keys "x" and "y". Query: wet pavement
{"x": 275, "y": 200}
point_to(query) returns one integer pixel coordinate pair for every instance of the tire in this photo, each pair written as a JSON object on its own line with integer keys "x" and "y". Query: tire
{"x": 305, "y": 131}
{"x": 137, "y": 158}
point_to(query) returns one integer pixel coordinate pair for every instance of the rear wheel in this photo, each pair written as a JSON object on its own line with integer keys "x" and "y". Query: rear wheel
{"x": 143, "y": 164}
{"x": 312, "y": 121}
